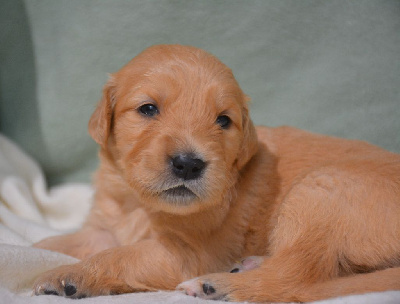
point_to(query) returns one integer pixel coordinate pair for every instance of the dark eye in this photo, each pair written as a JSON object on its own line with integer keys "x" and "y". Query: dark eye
{"x": 148, "y": 109}
{"x": 224, "y": 121}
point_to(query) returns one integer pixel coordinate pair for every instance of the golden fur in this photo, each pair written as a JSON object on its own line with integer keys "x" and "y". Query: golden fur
{"x": 320, "y": 215}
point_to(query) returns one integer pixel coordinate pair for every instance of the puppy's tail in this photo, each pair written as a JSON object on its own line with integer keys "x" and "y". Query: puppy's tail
{"x": 381, "y": 280}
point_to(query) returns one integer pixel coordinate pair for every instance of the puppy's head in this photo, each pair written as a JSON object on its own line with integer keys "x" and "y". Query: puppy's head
{"x": 178, "y": 125}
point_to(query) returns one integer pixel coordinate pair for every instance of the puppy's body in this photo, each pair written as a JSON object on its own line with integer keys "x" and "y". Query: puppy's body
{"x": 317, "y": 209}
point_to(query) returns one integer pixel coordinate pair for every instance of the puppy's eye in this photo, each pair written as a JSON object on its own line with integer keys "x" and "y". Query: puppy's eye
{"x": 224, "y": 121}
{"x": 148, "y": 109}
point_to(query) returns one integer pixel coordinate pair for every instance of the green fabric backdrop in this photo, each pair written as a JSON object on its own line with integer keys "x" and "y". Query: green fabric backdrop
{"x": 327, "y": 66}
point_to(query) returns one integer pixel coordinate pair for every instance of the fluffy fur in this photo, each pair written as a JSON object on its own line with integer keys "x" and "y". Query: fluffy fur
{"x": 320, "y": 216}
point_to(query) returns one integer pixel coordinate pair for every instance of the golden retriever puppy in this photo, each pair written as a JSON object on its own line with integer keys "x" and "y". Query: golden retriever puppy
{"x": 187, "y": 187}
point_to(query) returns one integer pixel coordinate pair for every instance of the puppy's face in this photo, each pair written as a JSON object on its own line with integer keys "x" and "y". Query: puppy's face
{"x": 177, "y": 123}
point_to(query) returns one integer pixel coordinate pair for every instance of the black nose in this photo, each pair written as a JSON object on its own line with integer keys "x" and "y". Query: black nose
{"x": 187, "y": 167}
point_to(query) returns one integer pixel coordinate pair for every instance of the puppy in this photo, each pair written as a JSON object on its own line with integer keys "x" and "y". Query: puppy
{"x": 187, "y": 187}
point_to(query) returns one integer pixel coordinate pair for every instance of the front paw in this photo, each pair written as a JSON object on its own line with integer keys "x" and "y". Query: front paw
{"x": 62, "y": 281}
{"x": 74, "y": 281}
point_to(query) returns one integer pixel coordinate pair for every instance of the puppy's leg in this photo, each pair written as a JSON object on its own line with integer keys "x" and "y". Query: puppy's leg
{"x": 329, "y": 225}
{"x": 81, "y": 244}
{"x": 147, "y": 265}
{"x": 264, "y": 284}
{"x": 382, "y": 280}
{"x": 280, "y": 278}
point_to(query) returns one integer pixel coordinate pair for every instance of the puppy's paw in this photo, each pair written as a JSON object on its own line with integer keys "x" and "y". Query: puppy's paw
{"x": 248, "y": 263}
{"x": 217, "y": 286}
{"x": 221, "y": 286}
{"x": 73, "y": 281}
{"x": 200, "y": 288}
{"x": 63, "y": 281}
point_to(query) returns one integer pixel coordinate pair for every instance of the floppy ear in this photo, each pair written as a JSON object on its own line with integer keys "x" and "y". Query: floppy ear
{"x": 249, "y": 145}
{"x": 100, "y": 121}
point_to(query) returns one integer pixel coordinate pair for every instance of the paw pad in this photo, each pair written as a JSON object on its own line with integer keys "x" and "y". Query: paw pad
{"x": 208, "y": 289}
{"x": 69, "y": 290}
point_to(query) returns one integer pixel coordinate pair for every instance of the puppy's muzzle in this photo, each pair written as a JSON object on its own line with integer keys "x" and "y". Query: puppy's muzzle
{"x": 187, "y": 167}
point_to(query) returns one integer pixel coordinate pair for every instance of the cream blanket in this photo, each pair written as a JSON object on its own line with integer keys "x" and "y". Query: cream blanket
{"x": 29, "y": 212}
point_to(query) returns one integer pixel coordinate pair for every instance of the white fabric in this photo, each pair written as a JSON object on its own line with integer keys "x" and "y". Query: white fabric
{"x": 29, "y": 212}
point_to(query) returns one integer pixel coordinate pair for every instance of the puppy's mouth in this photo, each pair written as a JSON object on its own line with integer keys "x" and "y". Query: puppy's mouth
{"x": 179, "y": 192}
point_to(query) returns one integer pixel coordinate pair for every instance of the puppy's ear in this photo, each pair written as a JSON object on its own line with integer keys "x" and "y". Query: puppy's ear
{"x": 100, "y": 121}
{"x": 249, "y": 145}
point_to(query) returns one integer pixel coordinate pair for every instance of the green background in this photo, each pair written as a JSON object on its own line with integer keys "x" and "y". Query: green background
{"x": 326, "y": 66}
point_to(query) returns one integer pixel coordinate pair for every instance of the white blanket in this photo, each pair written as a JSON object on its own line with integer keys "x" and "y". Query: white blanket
{"x": 29, "y": 212}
